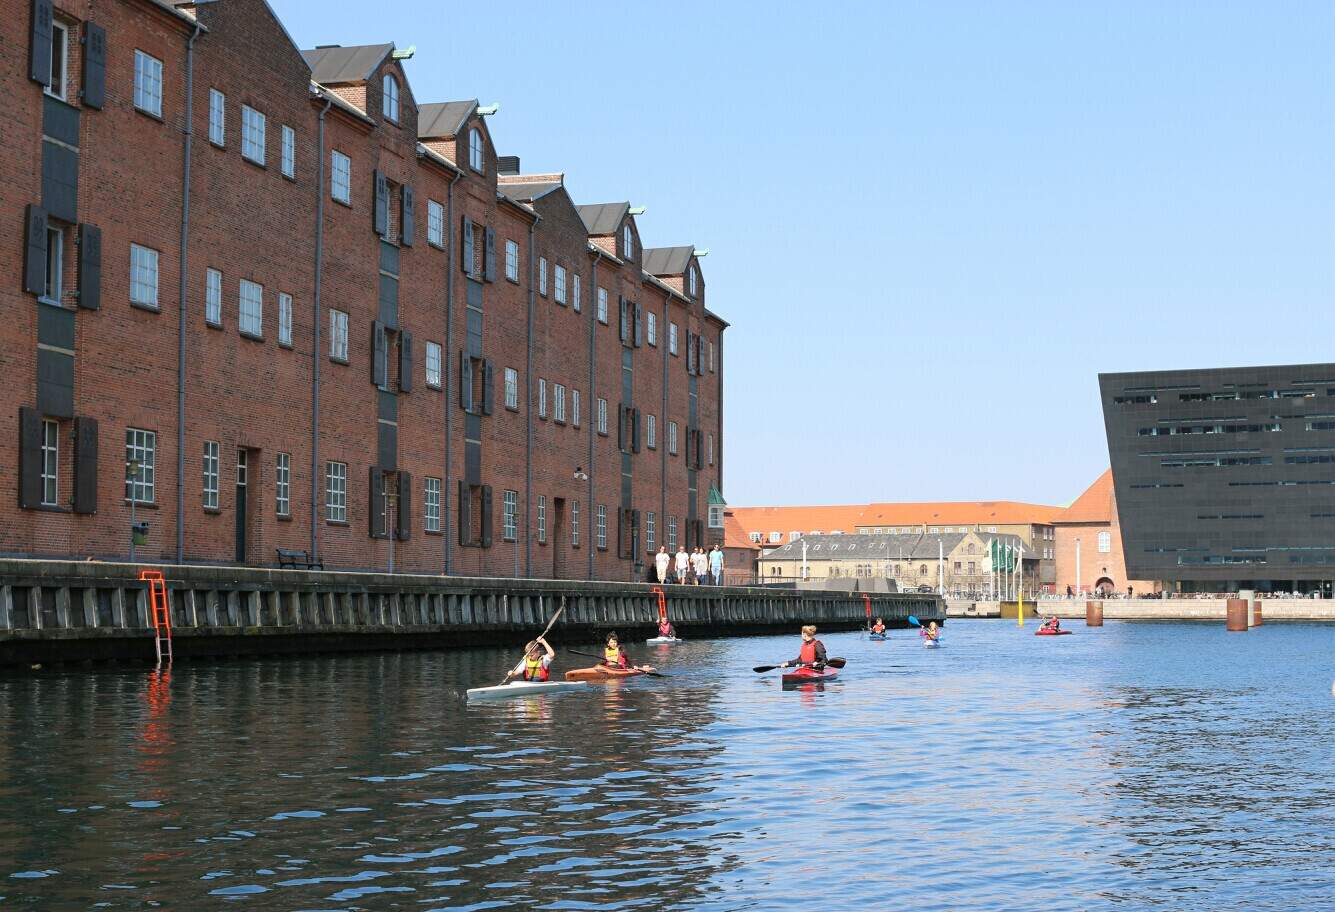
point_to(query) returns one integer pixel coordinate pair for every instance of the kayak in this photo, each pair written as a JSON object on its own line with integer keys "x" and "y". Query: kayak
{"x": 663, "y": 641}
{"x": 522, "y": 688}
{"x": 932, "y": 644}
{"x": 601, "y": 673}
{"x": 807, "y": 675}
{"x": 876, "y": 636}
{"x": 1041, "y": 632}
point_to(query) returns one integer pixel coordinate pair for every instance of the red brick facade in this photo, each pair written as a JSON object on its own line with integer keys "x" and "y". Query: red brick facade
{"x": 275, "y": 390}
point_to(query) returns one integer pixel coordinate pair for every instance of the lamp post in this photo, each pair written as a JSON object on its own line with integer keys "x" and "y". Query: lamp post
{"x": 132, "y": 469}
{"x": 1077, "y": 568}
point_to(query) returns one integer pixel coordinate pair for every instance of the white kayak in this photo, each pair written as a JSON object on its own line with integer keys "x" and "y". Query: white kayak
{"x": 523, "y": 688}
{"x": 663, "y": 641}
{"x": 933, "y": 644}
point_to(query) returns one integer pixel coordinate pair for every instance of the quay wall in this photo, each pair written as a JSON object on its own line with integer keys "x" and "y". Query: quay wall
{"x": 75, "y": 611}
{"x": 1171, "y": 609}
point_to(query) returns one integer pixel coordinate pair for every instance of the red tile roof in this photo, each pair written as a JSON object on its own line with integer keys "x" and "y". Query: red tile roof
{"x": 986, "y": 512}
{"x": 734, "y": 536}
{"x": 1093, "y": 506}
{"x": 798, "y": 519}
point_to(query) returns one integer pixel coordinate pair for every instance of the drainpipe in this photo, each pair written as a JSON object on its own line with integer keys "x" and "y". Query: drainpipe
{"x": 591, "y": 509}
{"x": 186, "y": 145}
{"x": 528, "y": 409}
{"x": 663, "y": 417}
{"x": 315, "y": 348}
{"x": 448, "y": 369}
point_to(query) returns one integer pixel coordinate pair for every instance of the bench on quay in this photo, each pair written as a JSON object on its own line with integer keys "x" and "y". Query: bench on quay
{"x": 293, "y": 559}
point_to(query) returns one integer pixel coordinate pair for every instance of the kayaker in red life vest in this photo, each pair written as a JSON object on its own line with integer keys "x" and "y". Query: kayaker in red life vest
{"x": 813, "y": 650}
{"x": 931, "y": 631}
{"x": 1052, "y": 623}
{"x": 878, "y": 627}
{"x": 665, "y": 629}
{"x": 535, "y": 666}
{"x": 615, "y": 657}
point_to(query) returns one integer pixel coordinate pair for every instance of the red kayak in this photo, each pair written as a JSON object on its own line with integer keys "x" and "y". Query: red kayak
{"x": 1047, "y": 632}
{"x": 807, "y": 675}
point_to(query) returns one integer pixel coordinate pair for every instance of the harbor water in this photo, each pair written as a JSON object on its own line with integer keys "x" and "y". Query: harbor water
{"x": 1133, "y": 766}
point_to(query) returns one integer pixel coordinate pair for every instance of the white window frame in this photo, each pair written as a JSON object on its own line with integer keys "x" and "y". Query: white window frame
{"x": 602, "y": 417}
{"x": 285, "y": 319}
{"x": 211, "y": 473}
{"x": 627, "y": 241}
{"x": 542, "y": 398}
{"x": 336, "y": 491}
{"x": 476, "y": 153}
{"x": 709, "y": 448}
{"x": 558, "y": 402}
{"x": 650, "y": 529}
{"x": 338, "y": 335}
{"x": 716, "y": 516}
{"x": 575, "y": 303}
{"x": 574, "y": 524}
{"x": 433, "y": 364}
{"x": 1105, "y": 542}
{"x": 574, "y": 408}
{"x": 651, "y": 431}
{"x": 389, "y": 98}
{"x": 602, "y": 306}
{"x": 55, "y": 265}
{"x": 431, "y": 504}
{"x": 511, "y": 260}
{"x": 542, "y": 276}
{"x": 672, "y": 533}
{"x": 559, "y": 284}
{"x": 672, "y": 438}
{"x": 510, "y": 516}
{"x": 340, "y": 177}
{"x": 512, "y": 388}
{"x": 651, "y": 328}
{"x": 147, "y": 83}
{"x": 691, "y": 279}
{"x": 542, "y": 519}
{"x": 250, "y": 308}
{"x": 435, "y": 224}
{"x": 672, "y": 338}
{"x": 59, "y": 86}
{"x": 140, "y": 446}
{"x": 143, "y": 276}
{"x": 289, "y": 152}
{"x": 602, "y": 527}
{"x": 282, "y": 486}
{"x": 213, "y": 286}
{"x": 254, "y": 134}
{"x": 50, "y": 463}
{"x": 711, "y": 357}
{"x": 217, "y": 118}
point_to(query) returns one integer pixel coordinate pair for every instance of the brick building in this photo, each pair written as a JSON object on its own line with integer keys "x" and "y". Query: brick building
{"x": 1091, "y": 526}
{"x": 301, "y": 309}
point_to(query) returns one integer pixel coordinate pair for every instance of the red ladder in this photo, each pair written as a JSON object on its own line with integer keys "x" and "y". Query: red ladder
{"x": 662, "y": 602}
{"x": 158, "y": 612}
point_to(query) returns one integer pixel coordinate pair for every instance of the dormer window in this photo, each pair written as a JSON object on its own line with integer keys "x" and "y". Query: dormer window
{"x": 627, "y": 241}
{"x": 691, "y": 280}
{"x": 389, "y": 99}
{"x": 475, "y": 149}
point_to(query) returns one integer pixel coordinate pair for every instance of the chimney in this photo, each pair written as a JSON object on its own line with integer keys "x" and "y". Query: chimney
{"x": 507, "y": 164}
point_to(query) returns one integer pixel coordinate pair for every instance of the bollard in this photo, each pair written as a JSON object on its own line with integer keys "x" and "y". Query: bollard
{"x": 1093, "y": 614}
{"x": 1256, "y": 613}
{"x": 1237, "y": 614}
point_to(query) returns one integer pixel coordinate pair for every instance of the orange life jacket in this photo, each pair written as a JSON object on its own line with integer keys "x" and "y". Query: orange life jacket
{"x": 808, "y": 653}
{"x": 534, "y": 669}
{"x": 879, "y": 628}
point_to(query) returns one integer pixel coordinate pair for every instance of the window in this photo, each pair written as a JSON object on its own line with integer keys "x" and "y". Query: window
{"x": 140, "y": 450}
{"x": 691, "y": 280}
{"x": 649, "y": 523}
{"x": 148, "y": 83}
{"x": 794, "y": 536}
{"x": 672, "y": 533}
{"x": 574, "y": 407}
{"x": 672, "y": 437}
{"x": 511, "y": 261}
{"x": 510, "y": 516}
{"x": 435, "y": 223}
{"x": 542, "y": 275}
{"x": 602, "y": 527}
{"x": 756, "y": 537}
{"x": 709, "y": 448}
{"x": 213, "y": 297}
{"x": 558, "y": 402}
{"x": 560, "y": 282}
{"x": 574, "y": 288}
{"x": 651, "y": 431}
{"x": 602, "y": 417}
{"x": 542, "y": 398}
{"x": 716, "y": 516}
{"x": 58, "y": 83}
{"x": 431, "y": 504}
{"x": 252, "y": 134}
{"x": 672, "y": 338}
{"x": 711, "y": 357}
{"x": 574, "y": 524}
{"x": 143, "y": 276}
{"x": 775, "y": 537}
{"x": 602, "y": 305}
{"x": 338, "y": 335}
{"x": 55, "y": 265}
{"x": 511, "y": 389}
{"x": 1105, "y": 542}
{"x": 542, "y": 519}
{"x": 283, "y": 484}
{"x": 289, "y": 152}
{"x": 252, "y": 308}
{"x": 389, "y": 98}
{"x": 651, "y": 328}
{"x": 475, "y": 149}
{"x": 433, "y": 365}
{"x": 210, "y": 474}
{"x": 217, "y": 117}
{"x": 627, "y": 241}
{"x": 50, "y": 461}
{"x": 340, "y": 177}
{"x": 284, "y": 319}
{"x": 336, "y": 491}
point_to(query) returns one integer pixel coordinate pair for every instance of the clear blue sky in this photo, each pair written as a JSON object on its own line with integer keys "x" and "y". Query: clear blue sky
{"x": 931, "y": 225}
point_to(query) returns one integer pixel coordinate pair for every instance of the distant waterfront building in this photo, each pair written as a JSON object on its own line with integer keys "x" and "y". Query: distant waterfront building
{"x": 1225, "y": 478}
{"x": 1089, "y": 545}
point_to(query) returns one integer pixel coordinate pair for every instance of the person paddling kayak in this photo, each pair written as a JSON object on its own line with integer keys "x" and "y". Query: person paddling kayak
{"x": 666, "y": 630}
{"x": 931, "y": 631}
{"x": 878, "y": 627}
{"x": 614, "y": 656}
{"x": 812, "y": 652}
{"x": 1052, "y": 623}
{"x": 534, "y": 666}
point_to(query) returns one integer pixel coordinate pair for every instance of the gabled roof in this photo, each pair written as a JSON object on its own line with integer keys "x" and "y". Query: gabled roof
{"x": 443, "y": 120}
{"x": 667, "y": 261}
{"x": 1093, "y": 506}
{"x": 335, "y": 65}
{"x": 985, "y": 512}
{"x": 603, "y": 218}
{"x": 734, "y": 536}
{"x": 527, "y": 188}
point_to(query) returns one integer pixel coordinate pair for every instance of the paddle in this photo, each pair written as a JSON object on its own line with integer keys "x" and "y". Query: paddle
{"x": 914, "y": 621}
{"x": 832, "y": 663}
{"x": 603, "y": 661}
{"x": 545, "y": 631}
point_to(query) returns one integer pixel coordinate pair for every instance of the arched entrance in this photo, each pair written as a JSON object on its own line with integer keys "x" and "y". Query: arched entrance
{"x": 1104, "y": 587}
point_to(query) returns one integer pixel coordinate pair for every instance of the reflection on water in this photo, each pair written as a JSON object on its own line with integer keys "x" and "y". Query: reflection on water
{"x": 1129, "y": 767}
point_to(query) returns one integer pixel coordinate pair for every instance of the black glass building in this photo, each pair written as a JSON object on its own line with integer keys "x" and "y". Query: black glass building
{"x": 1225, "y": 478}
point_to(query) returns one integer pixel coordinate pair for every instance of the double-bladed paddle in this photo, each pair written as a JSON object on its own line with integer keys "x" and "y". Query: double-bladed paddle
{"x": 603, "y": 661}
{"x": 830, "y": 663}
{"x": 546, "y": 631}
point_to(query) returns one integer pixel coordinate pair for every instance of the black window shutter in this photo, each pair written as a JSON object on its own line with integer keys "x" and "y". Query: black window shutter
{"x": 34, "y": 258}
{"x": 488, "y": 386}
{"x": 379, "y": 357}
{"x": 465, "y": 514}
{"x": 405, "y": 361}
{"x": 465, "y": 382}
{"x": 30, "y": 455}
{"x": 90, "y": 266}
{"x": 635, "y": 430}
{"x": 380, "y": 212}
{"x": 466, "y": 263}
{"x": 85, "y": 465}
{"x": 489, "y": 255}
{"x": 486, "y": 516}
{"x": 405, "y": 515}
{"x": 94, "y": 65}
{"x": 40, "y": 51}
{"x": 376, "y": 503}
{"x": 406, "y": 215}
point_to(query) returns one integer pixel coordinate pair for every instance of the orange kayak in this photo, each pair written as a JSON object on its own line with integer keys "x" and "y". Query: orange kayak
{"x": 601, "y": 673}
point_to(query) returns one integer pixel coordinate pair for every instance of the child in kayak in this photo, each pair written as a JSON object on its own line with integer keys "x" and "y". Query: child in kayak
{"x": 534, "y": 666}
{"x": 615, "y": 657}
{"x": 931, "y": 631}
{"x": 878, "y": 627}
{"x": 666, "y": 630}
{"x": 1053, "y": 623}
{"x": 813, "y": 650}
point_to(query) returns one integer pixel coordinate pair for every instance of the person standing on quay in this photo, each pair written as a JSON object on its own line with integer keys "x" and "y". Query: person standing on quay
{"x": 716, "y": 565}
{"x": 683, "y": 561}
{"x": 699, "y": 565}
{"x": 662, "y": 560}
